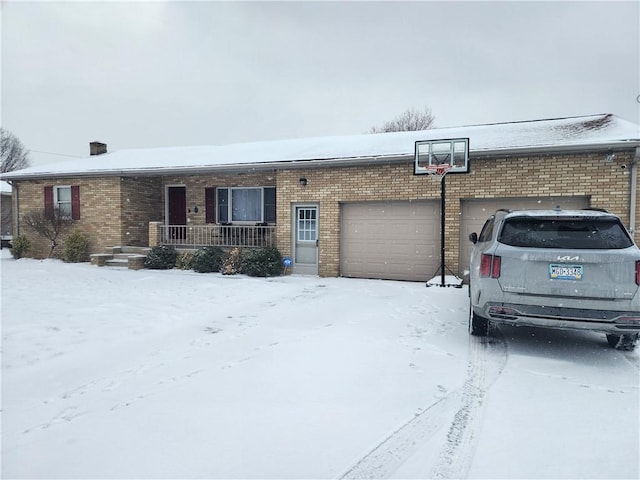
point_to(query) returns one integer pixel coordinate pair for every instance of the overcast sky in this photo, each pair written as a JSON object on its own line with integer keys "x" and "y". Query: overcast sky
{"x": 153, "y": 74}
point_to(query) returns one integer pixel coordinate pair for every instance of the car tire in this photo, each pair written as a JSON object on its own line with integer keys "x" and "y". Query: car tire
{"x": 626, "y": 342}
{"x": 478, "y": 326}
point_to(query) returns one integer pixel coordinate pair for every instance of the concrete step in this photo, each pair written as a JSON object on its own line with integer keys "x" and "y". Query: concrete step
{"x": 117, "y": 262}
{"x": 124, "y": 256}
{"x": 135, "y": 250}
{"x": 127, "y": 249}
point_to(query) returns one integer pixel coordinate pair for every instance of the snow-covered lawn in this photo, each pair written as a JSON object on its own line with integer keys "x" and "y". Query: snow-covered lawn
{"x": 111, "y": 373}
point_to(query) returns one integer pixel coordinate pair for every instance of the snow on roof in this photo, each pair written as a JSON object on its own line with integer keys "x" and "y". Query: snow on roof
{"x": 4, "y": 187}
{"x": 593, "y": 130}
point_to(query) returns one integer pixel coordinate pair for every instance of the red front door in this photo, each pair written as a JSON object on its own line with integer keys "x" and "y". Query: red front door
{"x": 177, "y": 200}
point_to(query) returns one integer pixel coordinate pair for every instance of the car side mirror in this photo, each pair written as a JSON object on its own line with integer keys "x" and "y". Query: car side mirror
{"x": 474, "y": 238}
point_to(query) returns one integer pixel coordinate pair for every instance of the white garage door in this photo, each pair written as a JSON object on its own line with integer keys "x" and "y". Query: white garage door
{"x": 476, "y": 211}
{"x": 390, "y": 240}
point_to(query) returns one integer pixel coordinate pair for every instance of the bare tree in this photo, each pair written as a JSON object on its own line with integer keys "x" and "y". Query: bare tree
{"x": 48, "y": 223}
{"x": 12, "y": 153}
{"x": 410, "y": 120}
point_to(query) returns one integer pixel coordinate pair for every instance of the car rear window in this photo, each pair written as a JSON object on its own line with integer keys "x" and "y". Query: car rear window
{"x": 580, "y": 233}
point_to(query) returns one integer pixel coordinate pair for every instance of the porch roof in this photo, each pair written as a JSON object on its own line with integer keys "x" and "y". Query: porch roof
{"x": 593, "y": 132}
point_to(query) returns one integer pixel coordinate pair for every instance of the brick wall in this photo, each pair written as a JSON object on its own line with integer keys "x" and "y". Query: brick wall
{"x": 141, "y": 199}
{"x": 117, "y": 211}
{"x": 586, "y": 174}
{"x": 100, "y": 211}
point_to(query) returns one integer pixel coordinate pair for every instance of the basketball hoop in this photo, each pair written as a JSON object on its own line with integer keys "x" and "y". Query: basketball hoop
{"x": 437, "y": 172}
{"x": 436, "y": 158}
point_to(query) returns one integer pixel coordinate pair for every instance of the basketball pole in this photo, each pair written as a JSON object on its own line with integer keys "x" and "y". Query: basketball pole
{"x": 443, "y": 191}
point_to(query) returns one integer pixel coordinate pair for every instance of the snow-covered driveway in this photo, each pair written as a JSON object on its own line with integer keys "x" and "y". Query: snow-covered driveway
{"x": 168, "y": 374}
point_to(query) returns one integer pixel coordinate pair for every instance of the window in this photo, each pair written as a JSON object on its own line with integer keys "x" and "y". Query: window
{"x": 487, "y": 230}
{"x": 307, "y": 224}
{"x": 246, "y": 205}
{"x": 570, "y": 233}
{"x": 65, "y": 199}
{"x": 62, "y": 200}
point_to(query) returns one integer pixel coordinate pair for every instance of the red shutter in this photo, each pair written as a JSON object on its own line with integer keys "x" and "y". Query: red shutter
{"x": 48, "y": 200}
{"x": 75, "y": 202}
{"x": 210, "y": 204}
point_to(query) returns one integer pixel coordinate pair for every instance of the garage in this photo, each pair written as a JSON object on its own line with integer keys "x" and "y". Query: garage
{"x": 396, "y": 240}
{"x": 474, "y": 213}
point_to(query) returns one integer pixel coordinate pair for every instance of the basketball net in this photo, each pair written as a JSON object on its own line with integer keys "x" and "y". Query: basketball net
{"x": 437, "y": 172}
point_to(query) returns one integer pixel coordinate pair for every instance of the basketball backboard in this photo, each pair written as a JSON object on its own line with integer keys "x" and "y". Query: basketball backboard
{"x": 429, "y": 153}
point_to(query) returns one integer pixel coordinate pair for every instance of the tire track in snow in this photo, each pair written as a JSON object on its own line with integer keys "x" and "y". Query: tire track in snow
{"x": 456, "y": 454}
{"x": 388, "y": 455}
{"x": 454, "y": 458}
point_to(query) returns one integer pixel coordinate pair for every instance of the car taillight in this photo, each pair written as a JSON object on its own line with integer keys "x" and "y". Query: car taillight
{"x": 490, "y": 265}
{"x": 495, "y": 268}
{"x": 638, "y": 272}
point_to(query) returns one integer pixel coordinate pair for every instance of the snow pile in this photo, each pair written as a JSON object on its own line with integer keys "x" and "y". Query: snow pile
{"x": 449, "y": 281}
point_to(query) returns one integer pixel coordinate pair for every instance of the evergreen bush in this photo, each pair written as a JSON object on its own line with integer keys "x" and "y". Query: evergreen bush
{"x": 263, "y": 262}
{"x": 161, "y": 258}
{"x": 75, "y": 247}
{"x": 20, "y": 246}
{"x": 207, "y": 260}
{"x": 184, "y": 261}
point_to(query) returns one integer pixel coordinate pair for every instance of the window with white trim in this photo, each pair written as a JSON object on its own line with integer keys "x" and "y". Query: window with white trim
{"x": 248, "y": 205}
{"x": 62, "y": 200}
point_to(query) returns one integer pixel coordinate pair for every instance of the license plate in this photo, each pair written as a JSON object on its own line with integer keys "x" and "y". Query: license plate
{"x": 566, "y": 272}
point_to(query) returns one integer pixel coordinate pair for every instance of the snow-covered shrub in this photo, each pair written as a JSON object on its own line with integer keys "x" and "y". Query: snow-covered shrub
{"x": 161, "y": 258}
{"x": 20, "y": 246}
{"x": 207, "y": 260}
{"x": 184, "y": 260}
{"x": 263, "y": 262}
{"x": 75, "y": 247}
{"x": 232, "y": 262}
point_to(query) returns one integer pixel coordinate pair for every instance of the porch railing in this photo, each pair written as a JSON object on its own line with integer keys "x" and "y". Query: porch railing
{"x": 218, "y": 235}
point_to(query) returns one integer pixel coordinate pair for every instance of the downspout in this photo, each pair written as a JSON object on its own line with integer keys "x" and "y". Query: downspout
{"x": 634, "y": 192}
{"x": 15, "y": 192}
{"x": 15, "y": 204}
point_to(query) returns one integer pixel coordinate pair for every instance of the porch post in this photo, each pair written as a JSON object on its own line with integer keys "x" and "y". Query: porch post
{"x": 155, "y": 234}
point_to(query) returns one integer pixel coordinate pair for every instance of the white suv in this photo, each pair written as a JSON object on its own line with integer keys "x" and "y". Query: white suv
{"x": 566, "y": 269}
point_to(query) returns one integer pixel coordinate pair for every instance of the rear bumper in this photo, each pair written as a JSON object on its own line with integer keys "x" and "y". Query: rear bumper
{"x": 616, "y": 322}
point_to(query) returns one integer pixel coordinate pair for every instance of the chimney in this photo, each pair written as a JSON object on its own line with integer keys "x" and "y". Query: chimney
{"x": 97, "y": 148}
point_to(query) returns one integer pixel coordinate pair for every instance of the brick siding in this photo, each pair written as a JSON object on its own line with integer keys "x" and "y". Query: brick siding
{"x": 141, "y": 199}
{"x": 587, "y": 174}
{"x": 117, "y": 211}
{"x": 100, "y": 211}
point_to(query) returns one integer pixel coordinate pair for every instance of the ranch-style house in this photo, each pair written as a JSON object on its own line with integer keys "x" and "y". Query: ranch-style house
{"x": 337, "y": 206}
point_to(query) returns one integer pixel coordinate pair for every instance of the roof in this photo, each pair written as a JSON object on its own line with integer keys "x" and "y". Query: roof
{"x": 5, "y": 188}
{"x": 594, "y": 131}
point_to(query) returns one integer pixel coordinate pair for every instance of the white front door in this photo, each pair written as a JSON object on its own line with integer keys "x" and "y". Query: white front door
{"x": 305, "y": 255}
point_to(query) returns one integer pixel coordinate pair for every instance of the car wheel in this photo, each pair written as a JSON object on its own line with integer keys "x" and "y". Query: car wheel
{"x": 626, "y": 342}
{"x": 478, "y": 325}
